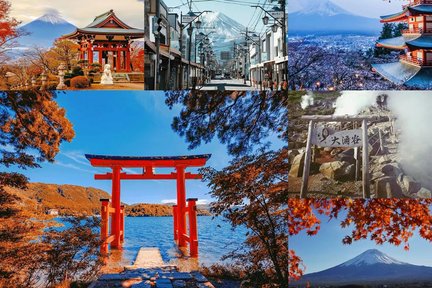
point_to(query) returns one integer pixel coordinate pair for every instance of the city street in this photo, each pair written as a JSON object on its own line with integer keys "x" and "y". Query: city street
{"x": 227, "y": 85}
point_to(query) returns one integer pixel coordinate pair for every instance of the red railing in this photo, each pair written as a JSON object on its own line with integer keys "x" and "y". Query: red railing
{"x": 417, "y": 2}
{"x": 416, "y": 31}
{"x": 416, "y": 61}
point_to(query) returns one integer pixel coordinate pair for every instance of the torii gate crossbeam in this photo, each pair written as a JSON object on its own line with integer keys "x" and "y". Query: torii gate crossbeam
{"x": 148, "y": 164}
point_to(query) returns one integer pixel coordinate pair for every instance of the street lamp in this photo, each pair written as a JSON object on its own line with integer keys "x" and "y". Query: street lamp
{"x": 275, "y": 28}
{"x": 198, "y": 24}
{"x": 265, "y": 20}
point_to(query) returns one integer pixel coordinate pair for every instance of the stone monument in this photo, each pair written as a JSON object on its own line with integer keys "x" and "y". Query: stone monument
{"x": 106, "y": 76}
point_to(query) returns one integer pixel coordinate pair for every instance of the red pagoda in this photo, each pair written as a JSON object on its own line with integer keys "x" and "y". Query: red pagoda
{"x": 106, "y": 41}
{"x": 414, "y": 68}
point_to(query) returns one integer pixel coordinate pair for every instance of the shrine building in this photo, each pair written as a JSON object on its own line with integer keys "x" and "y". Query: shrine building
{"x": 414, "y": 68}
{"x": 107, "y": 40}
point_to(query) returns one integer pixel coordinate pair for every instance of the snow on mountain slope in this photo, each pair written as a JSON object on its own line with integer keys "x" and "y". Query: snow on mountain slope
{"x": 370, "y": 257}
{"x": 371, "y": 267}
{"x": 225, "y": 31}
{"x": 43, "y": 31}
{"x": 318, "y": 7}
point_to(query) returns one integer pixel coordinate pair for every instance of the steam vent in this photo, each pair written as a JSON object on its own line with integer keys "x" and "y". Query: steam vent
{"x": 414, "y": 68}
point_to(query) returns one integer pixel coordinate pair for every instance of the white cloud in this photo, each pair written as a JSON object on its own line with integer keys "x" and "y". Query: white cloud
{"x": 174, "y": 201}
{"x": 73, "y": 166}
{"x": 169, "y": 201}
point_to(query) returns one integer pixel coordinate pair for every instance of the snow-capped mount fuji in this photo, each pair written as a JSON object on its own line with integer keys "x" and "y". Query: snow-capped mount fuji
{"x": 52, "y": 18}
{"x": 323, "y": 17}
{"x": 225, "y": 31}
{"x": 370, "y": 257}
{"x": 370, "y": 267}
{"x": 43, "y": 31}
{"x": 317, "y": 7}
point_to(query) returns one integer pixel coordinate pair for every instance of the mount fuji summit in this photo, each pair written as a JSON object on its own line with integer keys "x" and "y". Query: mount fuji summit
{"x": 43, "y": 31}
{"x": 371, "y": 267}
{"x": 323, "y": 17}
{"x": 225, "y": 31}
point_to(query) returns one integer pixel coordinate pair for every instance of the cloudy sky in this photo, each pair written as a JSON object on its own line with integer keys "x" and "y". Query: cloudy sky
{"x": 80, "y": 12}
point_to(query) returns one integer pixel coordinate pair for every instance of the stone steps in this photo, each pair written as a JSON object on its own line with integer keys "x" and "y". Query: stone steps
{"x": 150, "y": 271}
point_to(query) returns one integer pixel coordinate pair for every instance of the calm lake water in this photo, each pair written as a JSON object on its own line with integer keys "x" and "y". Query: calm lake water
{"x": 215, "y": 239}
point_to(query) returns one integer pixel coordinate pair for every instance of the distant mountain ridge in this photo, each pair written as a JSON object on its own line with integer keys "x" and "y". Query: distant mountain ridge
{"x": 370, "y": 267}
{"x": 323, "y": 17}
{"x": 78, "y": 200}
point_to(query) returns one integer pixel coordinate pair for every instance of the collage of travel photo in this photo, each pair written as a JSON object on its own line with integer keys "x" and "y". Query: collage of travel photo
{"x": 360, "y": 182}
{"x": 144, "y": 143}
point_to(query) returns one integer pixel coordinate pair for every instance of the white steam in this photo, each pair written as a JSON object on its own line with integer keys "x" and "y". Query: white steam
{"x": 352, "y": 102}
{"x": 413, "y": 111}
{"x": 307, "y": 100}
{"x": 414, "y": 118}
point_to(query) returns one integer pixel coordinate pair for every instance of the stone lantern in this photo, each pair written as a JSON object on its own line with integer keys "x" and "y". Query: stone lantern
{"x": 44, "y": 81}
{"x": 61, "y": 74}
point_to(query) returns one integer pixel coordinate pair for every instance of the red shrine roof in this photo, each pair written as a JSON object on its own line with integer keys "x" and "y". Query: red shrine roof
{"x": 154, "y": 161}
{"x": 107, "y": 24}
{"x": 407, "y": 11}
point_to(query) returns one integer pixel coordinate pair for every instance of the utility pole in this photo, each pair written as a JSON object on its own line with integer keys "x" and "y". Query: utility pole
{"x": 284, "y": 35}
{"x": 181, "y": 52}
{"x": 157, "y": 36}
{"x": 245, "y": 57}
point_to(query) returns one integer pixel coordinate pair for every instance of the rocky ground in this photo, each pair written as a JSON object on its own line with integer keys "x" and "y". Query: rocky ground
{"x": 163, "y": 277}
{"x": 333, "y": 170}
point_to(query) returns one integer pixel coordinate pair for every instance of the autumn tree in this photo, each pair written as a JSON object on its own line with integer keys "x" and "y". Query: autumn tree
{"x": 252, "y": 190}
{"x": 8, "y": 29}
{"x": 73, "y": 254}
{"x": 32, "y": 127}
{"x": 137, "y": 56}
{"x": 381, "y": 220}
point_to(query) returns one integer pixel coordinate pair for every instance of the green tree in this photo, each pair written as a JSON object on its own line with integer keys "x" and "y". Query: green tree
{"x": 252, "y": 190}
{"x": 397, "y": 30}
{"x": 387, "y": 32}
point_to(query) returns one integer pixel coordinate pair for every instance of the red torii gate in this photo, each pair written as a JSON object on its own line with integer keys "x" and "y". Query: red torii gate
{"x": 179, "y": 163}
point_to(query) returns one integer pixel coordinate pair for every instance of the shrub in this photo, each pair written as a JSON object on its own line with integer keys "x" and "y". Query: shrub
{"x": 79, "y": 82}
{"x": 77, "y": 71}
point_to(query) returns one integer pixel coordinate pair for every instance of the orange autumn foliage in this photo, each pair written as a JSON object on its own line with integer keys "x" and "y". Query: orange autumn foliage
{"x": 7, "y": 25}
{"x": 380, "y": 220}
{"x": 137, "y": 60}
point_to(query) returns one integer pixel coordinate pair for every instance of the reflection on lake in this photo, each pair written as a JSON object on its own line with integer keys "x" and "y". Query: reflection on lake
{"x": 215, "y": 238}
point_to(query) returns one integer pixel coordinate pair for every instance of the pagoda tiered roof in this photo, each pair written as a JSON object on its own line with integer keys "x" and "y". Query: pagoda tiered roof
{"x": 409, "y": 75}
{"x": 407, "y": 11}
{"x": 401, "y": 42}
{"x": 107, "y": 24}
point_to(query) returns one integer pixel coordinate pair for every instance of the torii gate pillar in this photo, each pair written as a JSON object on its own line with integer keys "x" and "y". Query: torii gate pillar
{"x": 147, "y": 164}
{"x": 181, "y": 206}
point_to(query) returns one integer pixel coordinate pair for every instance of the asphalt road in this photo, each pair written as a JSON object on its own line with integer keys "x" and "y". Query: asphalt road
{"x": 228, "y": 85}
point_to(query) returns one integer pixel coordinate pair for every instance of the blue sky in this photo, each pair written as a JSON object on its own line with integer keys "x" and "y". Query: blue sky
{"x": 124, "y": 123}
{"x": 240, "y": 12}
{"x": 326, "y": 250}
